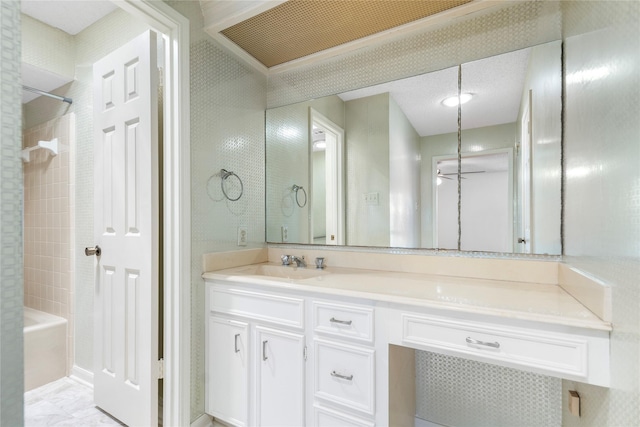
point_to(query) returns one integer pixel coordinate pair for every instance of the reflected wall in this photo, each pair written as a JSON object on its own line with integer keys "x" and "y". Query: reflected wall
{"x": 402, "y": 153}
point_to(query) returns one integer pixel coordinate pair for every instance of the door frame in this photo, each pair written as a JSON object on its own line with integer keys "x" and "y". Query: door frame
{"x": 337, "y": 166}
{"x": 524, "y": 177}
{"x": 176, "y": 227}
{"x": 510, "y": 213}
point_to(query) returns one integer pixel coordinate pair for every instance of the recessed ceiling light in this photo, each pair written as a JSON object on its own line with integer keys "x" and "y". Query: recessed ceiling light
{"x": 452, "y": 101}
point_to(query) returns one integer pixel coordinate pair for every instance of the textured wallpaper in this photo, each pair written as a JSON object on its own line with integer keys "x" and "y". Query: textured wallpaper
{"x": 602, "y": 188}
{"x": 11, "y": 291}
{"x": 48, "y": 48}
{"x": 287, "y": 135}
{"x": 524, "y": 24}
{"x": 466, "y": 393}
{"x": 227, "y": 132}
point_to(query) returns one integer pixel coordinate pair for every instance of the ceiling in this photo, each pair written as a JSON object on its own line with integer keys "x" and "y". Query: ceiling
{"x": 298, "y": 28}
{"x": 69, "y": 16}
{"x": 496, "y": 98}
{"x": 277, "y": 35}
{"x": 496, "y": 84}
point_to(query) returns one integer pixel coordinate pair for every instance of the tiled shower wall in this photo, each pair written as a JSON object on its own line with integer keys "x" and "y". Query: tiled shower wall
{"x": 602, "y": 188}
{"x": 48, "y": 222}
{"x": 11, "y": 360}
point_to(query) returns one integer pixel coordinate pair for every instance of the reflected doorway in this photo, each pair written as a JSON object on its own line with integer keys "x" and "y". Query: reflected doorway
{"x": 486, "y": 202}
{"x": 326, "y": 212}
{"x": 523, "y": 244}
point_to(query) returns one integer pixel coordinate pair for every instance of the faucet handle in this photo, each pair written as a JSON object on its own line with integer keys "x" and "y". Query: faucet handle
{"x": 320, "y": 262}
{"x": 286, "y": 259}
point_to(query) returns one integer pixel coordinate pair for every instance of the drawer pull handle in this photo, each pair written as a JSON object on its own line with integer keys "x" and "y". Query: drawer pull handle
{"x": 264, "y": 350}
{"x": 342, "y": 377}
{"x": 236, "y": 343}
{"x": 342, "y": 322}
{"x": 487, "y": 344}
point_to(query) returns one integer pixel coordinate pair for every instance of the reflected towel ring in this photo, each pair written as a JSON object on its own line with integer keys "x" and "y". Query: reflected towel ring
{"x": 295, "y": 188}
{"x": 225, "y": 174}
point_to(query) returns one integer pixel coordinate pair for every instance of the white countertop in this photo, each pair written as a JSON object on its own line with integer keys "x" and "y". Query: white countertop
{"x": 516, "y": 300}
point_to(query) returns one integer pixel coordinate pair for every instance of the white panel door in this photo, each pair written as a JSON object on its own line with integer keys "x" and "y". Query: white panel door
{"x": 126, "y": 210}
{"x": 226, "y": 370}
{"x": 280, "y": 376}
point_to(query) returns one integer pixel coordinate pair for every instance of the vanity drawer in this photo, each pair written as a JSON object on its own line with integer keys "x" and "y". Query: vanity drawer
{"x": 344, "y": 375}
{"x": 542, "y": 352}
{"x": 324, "y": 417}
{"x": 347, "y": 321}
{"x": 263, "y": 306}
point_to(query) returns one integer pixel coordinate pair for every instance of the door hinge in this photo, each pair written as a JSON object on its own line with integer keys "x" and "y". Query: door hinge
{"x": 304, "y": 353}
{"x": 160, "y": 369}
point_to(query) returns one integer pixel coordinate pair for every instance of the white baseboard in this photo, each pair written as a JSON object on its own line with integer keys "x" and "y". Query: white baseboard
{"x": 419, "y": 422}
{"x": 82, "y": 376}
{"x": 203, "y": 420}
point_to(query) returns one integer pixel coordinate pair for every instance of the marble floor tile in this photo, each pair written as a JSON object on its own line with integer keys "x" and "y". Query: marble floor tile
{"x": 64, "y": 403}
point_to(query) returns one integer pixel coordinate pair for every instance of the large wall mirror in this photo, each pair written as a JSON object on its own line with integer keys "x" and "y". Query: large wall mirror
{"x": 384, "y": 165}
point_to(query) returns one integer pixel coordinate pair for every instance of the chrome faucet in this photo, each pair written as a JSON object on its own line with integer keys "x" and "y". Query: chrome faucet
{"x": 300, "y": 262}
{"x": 286, "y": 259}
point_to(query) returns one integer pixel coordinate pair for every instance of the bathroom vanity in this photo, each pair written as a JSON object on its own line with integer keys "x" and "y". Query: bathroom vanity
{"x": 304, "y": 346}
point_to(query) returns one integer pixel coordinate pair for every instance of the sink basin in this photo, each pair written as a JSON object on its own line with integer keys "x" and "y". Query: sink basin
{"x": 284, "y": 272}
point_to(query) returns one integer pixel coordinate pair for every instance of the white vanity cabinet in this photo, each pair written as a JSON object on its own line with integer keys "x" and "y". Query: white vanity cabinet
{"x": 328, "y": 351}
{"x": 227, "y": 369}
{"x": 561, "y": 351}
{"x": 255, "y": 356}
{"x": 280, "y": 378}
{"x": 344, "y": 386}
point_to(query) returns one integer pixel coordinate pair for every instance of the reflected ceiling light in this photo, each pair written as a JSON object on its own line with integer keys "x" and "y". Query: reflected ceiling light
{"x": 319, "y": 145}
{"x": 452, "y": 101}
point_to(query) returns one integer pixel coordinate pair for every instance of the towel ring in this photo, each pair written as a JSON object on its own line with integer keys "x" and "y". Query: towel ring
{"x": 225, "y": 174}
{"x": 296, "y": 188}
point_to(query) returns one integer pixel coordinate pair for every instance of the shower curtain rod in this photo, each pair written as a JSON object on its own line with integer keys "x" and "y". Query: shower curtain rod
{"x": 50, "y": 95}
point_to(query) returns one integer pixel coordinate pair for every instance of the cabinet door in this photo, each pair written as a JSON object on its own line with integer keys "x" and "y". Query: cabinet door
{"x": 227, "y": 370}
{"x": 280, "y": 378}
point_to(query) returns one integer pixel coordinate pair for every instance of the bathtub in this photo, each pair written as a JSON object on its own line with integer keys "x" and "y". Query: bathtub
{"x": 45, "y": 348}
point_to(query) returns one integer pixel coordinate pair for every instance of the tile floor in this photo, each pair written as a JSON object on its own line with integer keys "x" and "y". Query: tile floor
{"x": 63, "y": 403}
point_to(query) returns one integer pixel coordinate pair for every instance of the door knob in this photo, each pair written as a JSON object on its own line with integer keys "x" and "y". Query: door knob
{"x": 93, "y": 251}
